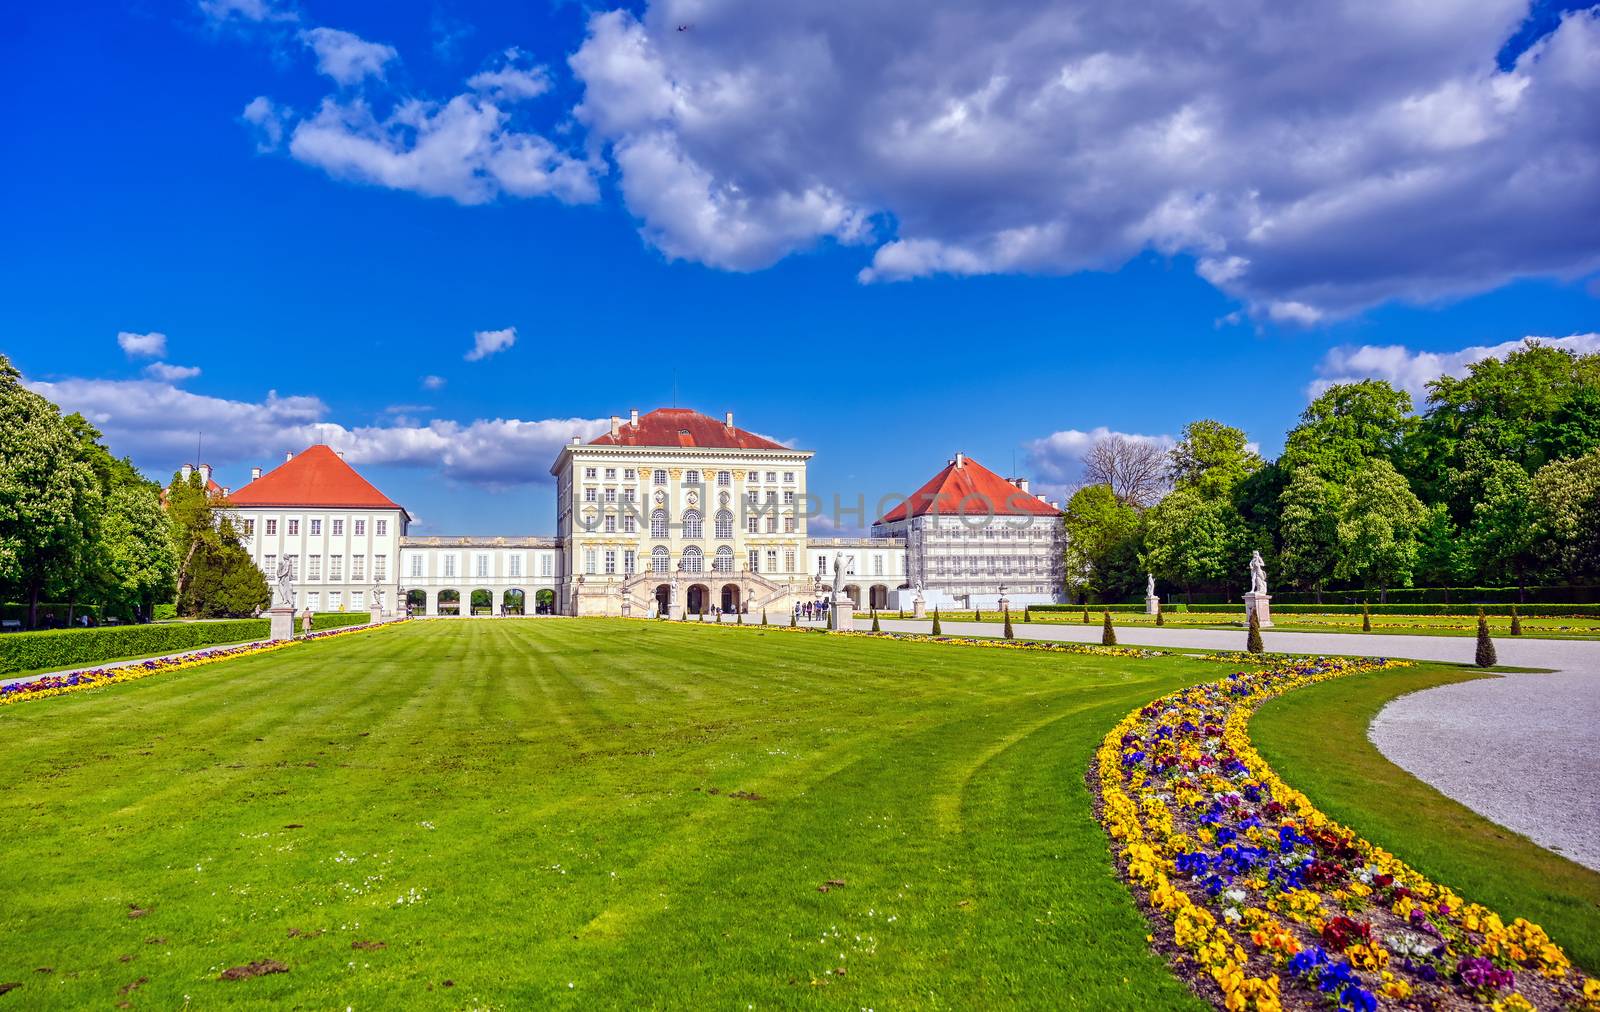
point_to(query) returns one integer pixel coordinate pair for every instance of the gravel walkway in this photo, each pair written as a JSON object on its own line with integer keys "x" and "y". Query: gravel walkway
{"x": 1522, "y": 750}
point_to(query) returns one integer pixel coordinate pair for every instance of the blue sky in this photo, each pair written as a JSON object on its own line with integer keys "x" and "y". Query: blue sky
{"x": 880, "y": 293}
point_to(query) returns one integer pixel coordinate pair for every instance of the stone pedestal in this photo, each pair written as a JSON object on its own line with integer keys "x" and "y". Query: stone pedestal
{"x": 627, "y": 605}
{"x": 1152, "y": 604}
{"x": 1261, "y": 604}
{"x": 842, "y": 616}
{"x": 282, "y": 619}
{"x": 919, "y": 607}
{"x": 1004, "y": 604}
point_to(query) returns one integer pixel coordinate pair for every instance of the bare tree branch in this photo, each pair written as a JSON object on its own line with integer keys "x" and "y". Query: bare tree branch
{"x": 1135, "y": 469}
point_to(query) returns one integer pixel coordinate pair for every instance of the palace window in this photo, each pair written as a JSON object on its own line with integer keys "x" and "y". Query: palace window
{"x": 691, "y": 477}
{"x": 772, "y": 525}
{"x": 313, "y": 600}
{"x": 358, "y": 600}
{"x": 611, "y": 495}
{"x": 358, "y": 568}
{"x": 752, "y": 524}
{"x": 788, "y": 496}
{"x": 547, "y": 565}
{"x": 294, "y": 528}
{"x": 627, "y": 561}
{"x": 788, "y": 561}
{"x": 589, "y": 495}
{"x": 788, "y": 476}
{"x": 611, "y": 561}
{"x": 630, "y": 495}
{"x": 611, "y": 523}
{"x": 588, "y": 561}
{"x": 335, "y": 600}
{"x": 659, "y": 560}
{"x": 658, "y": 524}
{"x": 772, "y": 560}
{"x": 629, "y": 524}
{"x": 382, "y": 528}
{"x": 316, "y": 528}
{"x": 772, "y": 476}
{"x": 877, "y": 565}
{"x": 724, "y": 560}
{"x": 450, "y": 566}
{"x": 588, "y": 472}
{"x": 692, "y": 528}
{"x": 658, "y": 477}
{"x": 611, "y": 474}
{"x": 482, "y": 566}
{"x": 629, "y": 474}
{"x": 249, "y": 528}
{"x": 361, "y": 527}
{"x": 272, "y": 526}
{"x": 693, "y": 560}
{"x": 753, "y": 559}
{"x": 338, "y": 528}
{"x": 788, "y": 524}
{"x": 269, "y": 564}
{"x": 336, "y": 568}
{"x": 514, "y": 565}
{"x": 724, "y": 479}
{"x": 724, "y": 524}
{"x": 314, "y": 568}
{"x": 416, "y": 566}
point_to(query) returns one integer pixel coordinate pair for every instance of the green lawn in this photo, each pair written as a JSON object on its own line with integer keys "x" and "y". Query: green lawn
{"x": 1316, "y": 739}
{"x": 544, "y": 812}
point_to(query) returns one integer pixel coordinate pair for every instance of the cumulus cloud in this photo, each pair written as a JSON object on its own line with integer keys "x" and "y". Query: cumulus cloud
{"x": 1312, "y": 159}
{"x": 433, "y": 382}
{"x": 1411, "y": 370}
{"x": 156, "y": 422}
{"x": 488, "y": 342}
{"x": 515, "y": 79}
{"x": 171, "y": 373}
{"x": 1057, "y": 459}
{"x": 151, "y": 345}
{"x": 346, "y": 57}
{"x": 269, "y": 120}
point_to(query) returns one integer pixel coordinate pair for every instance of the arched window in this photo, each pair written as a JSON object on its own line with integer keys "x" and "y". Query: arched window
{"x": 659, "y": 561}
{"x": 693, "y": 561}
{"x": 724, "y": 560}
{"x": 658, "y": 524}
{"x": 725, "y": 524}
{"x": 692, "y": 528}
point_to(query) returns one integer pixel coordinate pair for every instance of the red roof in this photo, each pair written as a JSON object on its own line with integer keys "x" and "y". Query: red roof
{"x": 684, "y": 427}
{"x": 317, "y": 477}
{"x": 966, "y": 488}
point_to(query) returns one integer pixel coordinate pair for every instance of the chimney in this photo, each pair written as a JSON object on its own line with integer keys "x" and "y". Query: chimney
{"x": 961, "y": 460}
{"x": 633, "y": 416}
{"x": 205, "y": 474}
{"x": 255, "y": 472}
{"x": 288, "y": 455}
{"x": 729, "y": 422}
{"x": 186, "y": 470}
{"x": 1022, "y": 483}
{"x": 226, "y": 491}
{"x": 615, "y": 421}
{"x": 340, "y": 453}
{"x": 576, "y": 440}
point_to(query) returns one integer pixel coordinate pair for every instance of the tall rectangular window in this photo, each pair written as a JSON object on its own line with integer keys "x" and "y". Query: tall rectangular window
{"x": 514, "y": 565}
{"x": 629, "y": 524}
{"x": 547, "y": 564}
{"x": 416, "y": 566}
{"x": 249, "y": 528}
{"x": 336, "y": 567}
{"x": 269, "y": 565}
{"x": 755, "y": 560}
{"x": 588, "y": 561}
{"x": 482, "y": 570}
{"x": 628, "y": 559}
{"x": 382, "y": 528}
{"x": 314, "y": 568}
{"x": 610, "y": 526}
{"x": 335, "y": 600}
{"x": 361, "y": 527}
{"x": 358, "y": 568}
{"x": 788, "y": 561}
{"x": 314, "y": 600}
{"x": 316, "y": 527}
{"x": 772, "y": 560}
{"x": 380, "y": 568}
{"x": 450, "y": 566}
{"x": 294, "y": 528}
{"x": 272, "y": 525}
{"x": 611, "y": 560}
{"x": 658, "y": 477}
{"x": 338, "y": 528}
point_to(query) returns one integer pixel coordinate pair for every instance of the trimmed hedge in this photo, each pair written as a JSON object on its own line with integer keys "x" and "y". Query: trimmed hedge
{"x": 1525, "y": 610}
{"x": 335, "y": 619}
{"x": 76, "y": 648}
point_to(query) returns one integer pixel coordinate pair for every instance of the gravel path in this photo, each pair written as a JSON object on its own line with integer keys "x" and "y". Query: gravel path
{"x": 1522, "y": 750}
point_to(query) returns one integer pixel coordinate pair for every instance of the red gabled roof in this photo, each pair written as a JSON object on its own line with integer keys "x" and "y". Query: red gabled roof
{"x": 966, "y": 488}
{"x": 317, "y": 477}
{"x": 684, "y": 427}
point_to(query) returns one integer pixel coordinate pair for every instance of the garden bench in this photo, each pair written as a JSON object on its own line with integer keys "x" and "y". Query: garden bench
{"x": 11, "y": 625}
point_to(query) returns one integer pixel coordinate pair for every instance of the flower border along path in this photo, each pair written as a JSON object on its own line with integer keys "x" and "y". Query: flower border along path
{"x": 1264, "y": 902}
{"x": 114, "y": 674}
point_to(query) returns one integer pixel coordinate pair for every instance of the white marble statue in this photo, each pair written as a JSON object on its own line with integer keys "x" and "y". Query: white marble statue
{"x": 841, "y": 562}
{"x": 285, "y": 595}
{"x": 1149, "y": 585}
{"x": 377, "y": 596}
{"x": 1258, "y": 574}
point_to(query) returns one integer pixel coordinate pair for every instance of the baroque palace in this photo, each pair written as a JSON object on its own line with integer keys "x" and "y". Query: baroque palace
{"x": 665, "y": 513}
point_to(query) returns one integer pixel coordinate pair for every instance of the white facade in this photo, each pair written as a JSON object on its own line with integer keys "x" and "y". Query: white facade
{"x": 876, "y": 568}
{"x": 507, "y": 575}
{"x": 339, "y": 555}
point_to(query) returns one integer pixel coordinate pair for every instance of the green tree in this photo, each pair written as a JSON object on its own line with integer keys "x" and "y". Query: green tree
{"x": 50, "y": 500}
{"x": 214, "y": 575}
{"x": 1309, "y": 530}
{"x": 1102, "y": 535}
{"x": 1347, "y": 424}
{"x": 1565, "y": 503}
{"x": 1192, "y": 540}
{"x": 1212, "y": 458}
{"x": 1378, "y": 524}
{"x": 1442, "y": 556}
{"x": 1501, "y": 536}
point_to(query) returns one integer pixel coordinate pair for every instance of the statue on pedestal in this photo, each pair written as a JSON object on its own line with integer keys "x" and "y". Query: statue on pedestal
{"x": 1149, "y": 585}
{"x": 1258, "y": 573}
{"x": 284, "y": 598}
{"x": 841, "y": 562}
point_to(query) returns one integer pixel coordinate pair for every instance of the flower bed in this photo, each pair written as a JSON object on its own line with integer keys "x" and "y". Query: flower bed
{"x": 56, "y": 685}
{"x": 1264, "y": 902}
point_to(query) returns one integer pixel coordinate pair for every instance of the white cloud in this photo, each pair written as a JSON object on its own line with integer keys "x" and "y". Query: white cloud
{"x": 1313, "y": 159}
{"x": 269, "y": 120}
{"x": 171, "y": 373}
{"x": 346, "y": 57}
{"x": 1410, "y": 370}
{"x": 516, "y": 79}
{"x": 488, "y": 342}
{"x": 433, "y": 382}
{"x": 1057, "y": 459}
{"x": 257, "y": 11}
{"x": 156, "y": 423}
{"x": 151, "y": 345}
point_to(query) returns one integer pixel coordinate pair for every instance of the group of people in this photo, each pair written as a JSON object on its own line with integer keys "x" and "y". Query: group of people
{"x": 806, "y": 611}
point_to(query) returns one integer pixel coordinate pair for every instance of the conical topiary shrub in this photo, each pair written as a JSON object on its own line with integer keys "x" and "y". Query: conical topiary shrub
{"x": 902, "y": 614}
{"x": 1516, "y": 622}
{"x": 1160, "y": 616}
{"x": 738, "y": 618}
{"x": 1252, "y": 639}
{"x": 1027, "y": 614}
{"x": 977, "y": 616}
{"x": 1108, "y": 634}
{"x": 794, "y": 618}
{"x": 936, "y": 630}
{"x": 1366, "y": 618}
{"x": 1086, "y": 614}
{"x": 875, "y": 627}
{"x": 1485, "y": 657}
{"x": 1006, "y": 632}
